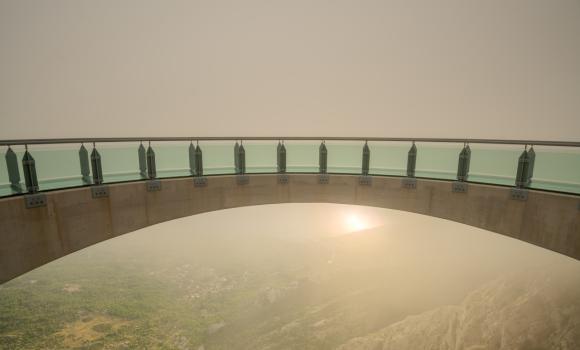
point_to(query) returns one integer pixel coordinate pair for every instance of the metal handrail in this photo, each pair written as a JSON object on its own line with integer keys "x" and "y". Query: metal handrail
{"x": 288, "y": 138}
{"x": 92, "y": 165}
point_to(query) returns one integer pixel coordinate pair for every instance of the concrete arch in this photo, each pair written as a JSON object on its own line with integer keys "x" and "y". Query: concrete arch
{"x": 73, "y": 219}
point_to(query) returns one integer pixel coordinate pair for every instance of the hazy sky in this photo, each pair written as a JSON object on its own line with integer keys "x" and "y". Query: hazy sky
{"x": 453, "y": 68}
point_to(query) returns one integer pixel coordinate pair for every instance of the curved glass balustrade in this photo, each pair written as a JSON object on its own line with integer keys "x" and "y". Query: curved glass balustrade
{"x": 556, "y": 168}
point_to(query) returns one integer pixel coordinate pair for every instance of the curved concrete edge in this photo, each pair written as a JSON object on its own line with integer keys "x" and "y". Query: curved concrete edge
{"x": 73, "y": 219}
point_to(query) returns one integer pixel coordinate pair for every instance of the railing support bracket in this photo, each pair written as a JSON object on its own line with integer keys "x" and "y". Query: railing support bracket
{"x": 242, "y": 180}
{"x": 283, "y": 179}
{"x": 409, "y": 183}
{"x": 459, "y": 187}
{"x": 35, "y": 200}
{"x": 365, "y": 180}
{"x": 323, "y": 179}
{"x": 519, "y": 194}
{"x": 200, "y": 181}
{"x": 100, "y": 191}
{"x": 153, "y": 185}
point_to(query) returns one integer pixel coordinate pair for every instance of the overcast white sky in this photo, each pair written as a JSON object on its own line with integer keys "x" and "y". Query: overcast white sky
{"x": 453, "y": 68}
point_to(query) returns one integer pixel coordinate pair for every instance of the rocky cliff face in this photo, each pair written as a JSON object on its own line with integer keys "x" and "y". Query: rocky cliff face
{"x": 538, "y": 310}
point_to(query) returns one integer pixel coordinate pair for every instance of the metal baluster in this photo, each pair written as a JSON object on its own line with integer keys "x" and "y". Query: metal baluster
{"x": 96, "y": 166}
{"x": 411, "y": 160}
{"x": 13, "y": 172}
{"x": 85, "y": 165}
{"x": 532, "y": 163}
{"x": 241, "y": 159}
{"x": 191, "y": 158}
{"x": 142, "y": 160}
{"x": 236, "y": 159}
{"x": 522, "y": 175}
{"x": 198, "y": 161}
{"x": 151, "y": 168}
{"x": 29, "y": 167}
{"x": 322, "y": 158}
{"x": 366, "y": 157}
{"x": 464, "y": 161}
{"x": 281, "y": 157}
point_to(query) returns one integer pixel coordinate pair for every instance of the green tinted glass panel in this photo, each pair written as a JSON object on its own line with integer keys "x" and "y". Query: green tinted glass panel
{"x": 120, "y": 162}
{"x": 260, "y": 156}
{"x": 388, "y": 158}
{"x": 556, "y": 168}
{"x": 218, "y": 157}
{"x": 494, "y": 164}
{"x": 302, "y": 156}
{"x": 437, "y": 161}
{"x": 172, "y": 159}
{"x": 57, "y": 166}
{"x": 344, "y": 157}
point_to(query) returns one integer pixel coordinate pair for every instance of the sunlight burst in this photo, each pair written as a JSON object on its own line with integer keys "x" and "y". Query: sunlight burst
{"x": 356, "y": 223}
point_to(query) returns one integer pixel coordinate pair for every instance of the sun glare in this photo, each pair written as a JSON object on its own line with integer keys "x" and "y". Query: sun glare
{"x": 356, "y": 223}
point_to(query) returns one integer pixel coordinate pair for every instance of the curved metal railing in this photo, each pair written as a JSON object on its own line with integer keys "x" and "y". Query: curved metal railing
{"x": 286, "y": 138}
{"x": 543, "y": 165}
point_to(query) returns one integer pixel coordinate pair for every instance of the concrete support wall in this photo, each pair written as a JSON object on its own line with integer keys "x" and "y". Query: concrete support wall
{"x": 73, "y": 220}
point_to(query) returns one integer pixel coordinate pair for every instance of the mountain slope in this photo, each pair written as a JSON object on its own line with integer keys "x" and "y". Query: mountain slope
{"x": 534, "y": 311}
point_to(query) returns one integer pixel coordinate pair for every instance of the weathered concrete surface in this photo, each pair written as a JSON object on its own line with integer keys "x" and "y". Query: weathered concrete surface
{"x": 73, "y": 220}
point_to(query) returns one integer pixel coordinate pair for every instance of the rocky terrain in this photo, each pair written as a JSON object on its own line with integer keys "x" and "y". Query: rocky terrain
{"x": 538, "y": 310}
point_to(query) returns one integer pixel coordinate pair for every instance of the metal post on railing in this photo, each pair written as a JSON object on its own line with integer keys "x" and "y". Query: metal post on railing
{"x": 281, "y": 157}
{"x": 236, "y": 159}
{"x": 152, "y": 184}
{"x": 323, "y": 177}
{"x": 365, "y": 179}
{"x": 411, "y": 160}
{"x": 240, "y": 163}
{"x": 366, "y": 157}
{"x": 85, "y": 165}
{"x": 96, "y": 166}
{"x": 240, "y": 158}
{"x": 281, "y": 163}
{"x": 191, "y": 158}
{"x": 198, "y": 161}
{"x": 522, "y": 174}
{"x": 322, "y": 158}
{"x": 196, "y": 165}
{"x": 13, "y": 172}
{"x": 463, "y": 164}
{"x": 526, "y": 164}
{"x": 151, "y": 168}
{"x": 29, "y": 167}
{"x": 532, "y": 163}
{"x": 141, "y": 153}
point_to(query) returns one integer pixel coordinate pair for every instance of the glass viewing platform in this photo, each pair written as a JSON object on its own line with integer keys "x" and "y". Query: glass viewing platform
{"x": 43, "y": 165}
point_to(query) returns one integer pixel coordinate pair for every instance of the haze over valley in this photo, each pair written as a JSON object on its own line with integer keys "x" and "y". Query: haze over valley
{"x": 298, "y": 276}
